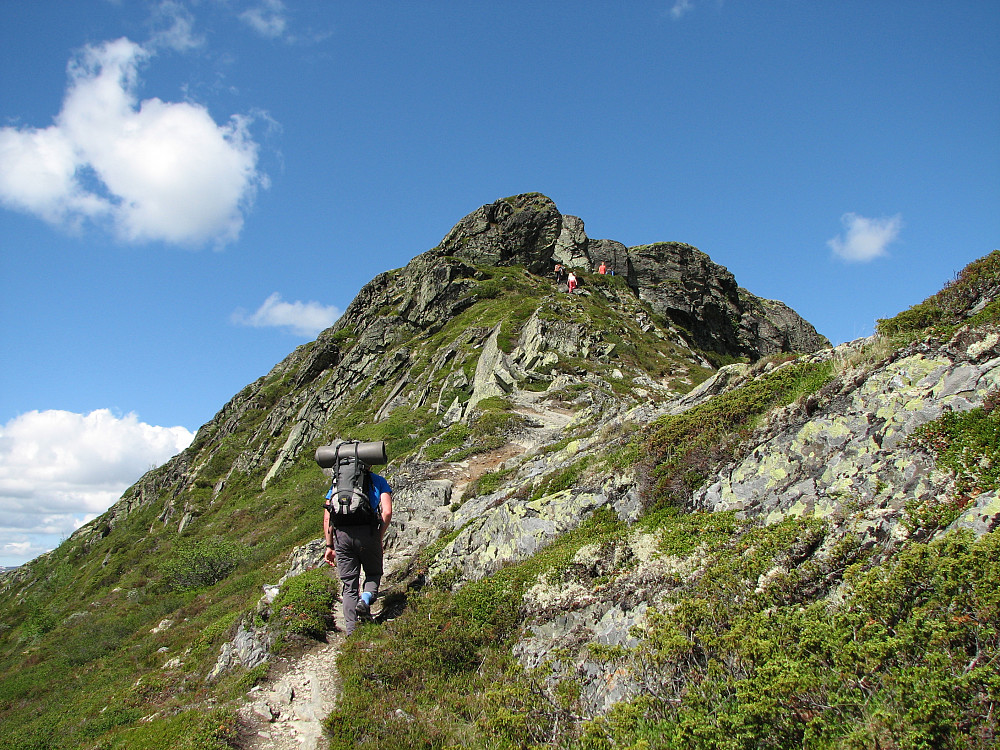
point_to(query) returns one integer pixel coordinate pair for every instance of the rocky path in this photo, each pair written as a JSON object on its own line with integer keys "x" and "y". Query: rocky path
{"x": 286, "y": 713}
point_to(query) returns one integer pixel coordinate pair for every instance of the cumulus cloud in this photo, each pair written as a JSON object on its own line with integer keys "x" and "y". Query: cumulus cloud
{"x": 865, "y": 239}
{"x": 301, "y": 318}
{"x": 59, "y": 470}
{"x": 152, "y": 170}
{"x": 267, "y": 18}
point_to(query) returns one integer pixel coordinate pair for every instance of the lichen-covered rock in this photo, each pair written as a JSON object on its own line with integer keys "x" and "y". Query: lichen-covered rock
{"x": 510, "y": 531}
{"x": 850, "y": 455}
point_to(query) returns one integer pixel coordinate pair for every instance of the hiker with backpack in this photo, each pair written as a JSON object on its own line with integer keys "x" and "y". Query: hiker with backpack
{"x": 355, "y": 518}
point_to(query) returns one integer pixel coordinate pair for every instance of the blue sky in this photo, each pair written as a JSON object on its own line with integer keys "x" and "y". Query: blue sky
{"x": 189, "y": 189}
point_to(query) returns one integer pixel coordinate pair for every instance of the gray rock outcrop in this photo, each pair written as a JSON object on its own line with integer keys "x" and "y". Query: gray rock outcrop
{"x": 682, "y": 284}
{"x": 842, "y": 455}
{"x": 521, "y": 230}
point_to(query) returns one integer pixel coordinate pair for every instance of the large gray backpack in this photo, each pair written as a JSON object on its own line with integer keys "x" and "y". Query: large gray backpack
{"x": 350, "y": 462}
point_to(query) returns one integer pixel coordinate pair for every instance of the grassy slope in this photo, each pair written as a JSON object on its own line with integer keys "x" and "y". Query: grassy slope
{"x": 80, "y": 667}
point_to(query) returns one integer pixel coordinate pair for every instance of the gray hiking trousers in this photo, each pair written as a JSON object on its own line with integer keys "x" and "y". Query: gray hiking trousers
{"x": 357, "y": 548}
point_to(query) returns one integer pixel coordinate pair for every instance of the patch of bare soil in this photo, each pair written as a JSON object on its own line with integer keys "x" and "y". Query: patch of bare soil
{"x": 287, "y": 711}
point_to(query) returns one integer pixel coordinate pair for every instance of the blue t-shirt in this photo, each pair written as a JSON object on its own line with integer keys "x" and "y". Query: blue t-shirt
{"x": 377, "y": 486}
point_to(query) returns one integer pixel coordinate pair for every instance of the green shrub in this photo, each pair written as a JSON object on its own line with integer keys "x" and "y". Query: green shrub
{"x": 953, "y": 305}
{"x": 489, "y": 482}
{"x": 218, "y": 730}
{"x": 493, "y": 419}
{"x": 451, "y": 439}
{"x": 904, "y": 660}
{"x": 967, "y": 445}
{"x": 562, "y": 479}
{"x": 202, "y": 563}
{"x": 344, "y": 336}
{"x": 95, "y": 638}
{"x": 305, "y": 604}
{"x": 39, "y": 621}
{"x": 679, "y": 452}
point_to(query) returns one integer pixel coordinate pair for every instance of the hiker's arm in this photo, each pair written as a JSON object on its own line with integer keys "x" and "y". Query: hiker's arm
{"x": 385, "y": 508}
{"x": 330, "y": 555}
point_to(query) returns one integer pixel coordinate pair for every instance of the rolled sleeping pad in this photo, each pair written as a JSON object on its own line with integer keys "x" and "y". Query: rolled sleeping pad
{"x": 372, "y": 454}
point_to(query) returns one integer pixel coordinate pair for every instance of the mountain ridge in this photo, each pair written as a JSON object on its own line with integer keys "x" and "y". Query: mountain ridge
{"x": 568, "y": 470}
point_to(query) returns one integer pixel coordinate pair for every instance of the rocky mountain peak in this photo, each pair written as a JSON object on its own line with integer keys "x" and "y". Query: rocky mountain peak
{"x": 678, "y": 281}
{"x": 520, "y": 230}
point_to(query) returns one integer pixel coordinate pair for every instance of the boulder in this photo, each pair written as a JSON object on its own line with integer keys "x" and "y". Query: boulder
{"x": 520, "y": 230}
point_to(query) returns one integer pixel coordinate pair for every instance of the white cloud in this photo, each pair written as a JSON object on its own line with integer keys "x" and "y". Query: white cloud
{"x": 681, "y": 8}
{"x": 267, "y": 18}
{"x": 177, "y": 32}
{"x": 865, "y": 239}
{"x": 155, "y": 170}
{"x": 59, "y": 470}
{"x": 302, "y": 318}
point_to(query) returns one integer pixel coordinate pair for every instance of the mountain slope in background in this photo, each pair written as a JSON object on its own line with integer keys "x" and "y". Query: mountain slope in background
{"x": 596, "y": 494}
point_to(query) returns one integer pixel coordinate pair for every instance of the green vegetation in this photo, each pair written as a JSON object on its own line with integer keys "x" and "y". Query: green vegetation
{"x": 906, "y": 659}
{"x": 750, "y": 652}
{"x": 489, "y": 427}
{"x": 205, "y": 562}
{"x": 966, "y": 444}
{"x": 954, "y": 305}
{"x": 305, "y": 604}
{"x": 489, "y": 482}
{"x": 677, "y": 453}
{"x": 441, "y": 675}
{"x": 80, "y": 665}
{"x": 450, "y": 440}
{"x": 562, "y": 479}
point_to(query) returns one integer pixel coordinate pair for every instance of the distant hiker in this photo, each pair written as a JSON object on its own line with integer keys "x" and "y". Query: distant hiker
{"x": 559, "y": 272}
{"x": 571, "y": 282}
{"x": 356, "y": 543}
{"x": 603, "y": 269}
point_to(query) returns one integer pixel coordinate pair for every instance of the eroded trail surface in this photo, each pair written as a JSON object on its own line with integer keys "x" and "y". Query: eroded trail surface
{"x": 286, "y": 713}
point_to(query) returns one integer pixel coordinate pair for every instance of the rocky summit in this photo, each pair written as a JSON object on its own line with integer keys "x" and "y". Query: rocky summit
{"x": 658, "y": 511}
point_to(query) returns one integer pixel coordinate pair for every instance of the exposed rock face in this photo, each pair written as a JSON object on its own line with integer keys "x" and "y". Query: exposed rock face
{"x": 682, "y": 283}
{"x": 678, "y": 281}
{"x": 522, "y": 229}
{"x": 854, "y": 445}
{"x": 768, "y": 326}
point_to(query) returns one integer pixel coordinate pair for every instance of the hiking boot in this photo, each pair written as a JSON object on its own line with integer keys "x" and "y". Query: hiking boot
{"x": 363, "y": 611}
